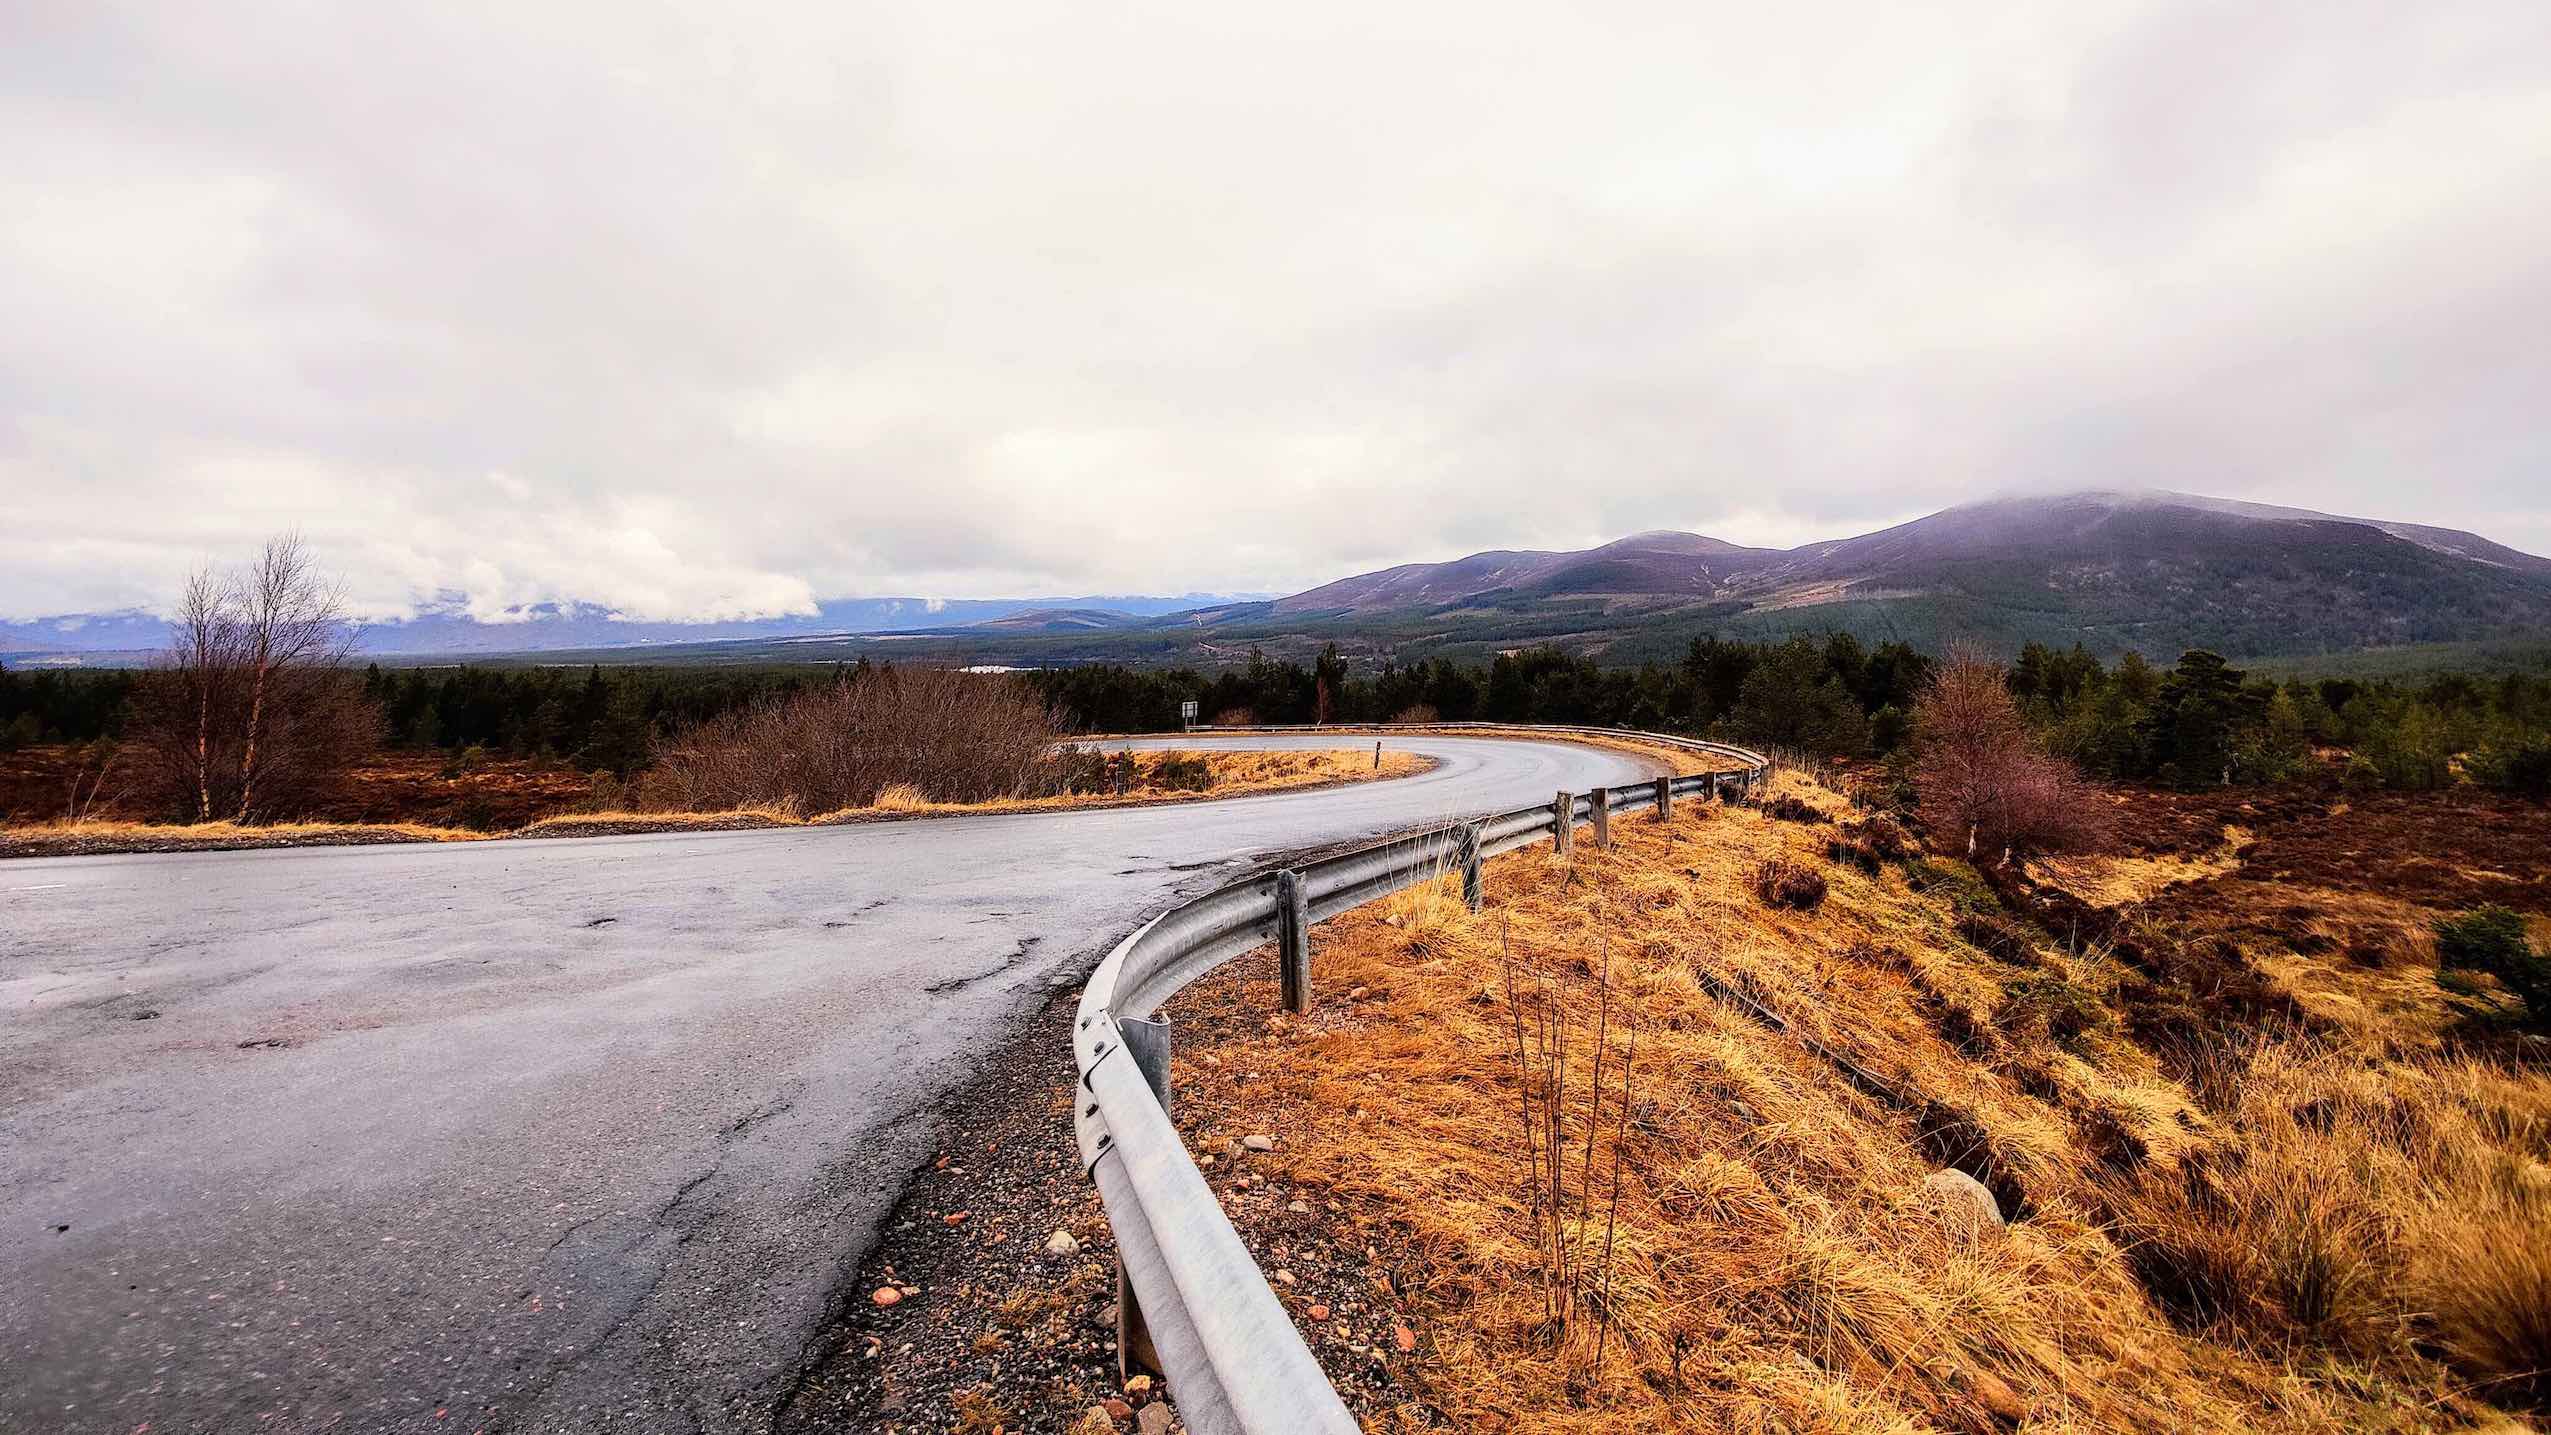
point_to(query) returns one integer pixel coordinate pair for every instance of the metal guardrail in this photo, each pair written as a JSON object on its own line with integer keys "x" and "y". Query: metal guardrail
{"x": 1191, "y": 1303}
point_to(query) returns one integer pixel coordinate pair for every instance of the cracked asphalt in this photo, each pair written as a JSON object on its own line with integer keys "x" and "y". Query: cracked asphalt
{"x": 576, "y": 1135}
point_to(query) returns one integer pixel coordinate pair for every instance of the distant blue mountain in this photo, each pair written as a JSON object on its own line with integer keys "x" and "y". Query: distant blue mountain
{"x": 445, "y": 628}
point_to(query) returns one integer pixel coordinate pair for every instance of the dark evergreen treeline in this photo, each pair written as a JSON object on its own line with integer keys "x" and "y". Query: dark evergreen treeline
{"x": 2204, "y": 723}
{"x": 597, "y": 718}
{"x": 71, "y": 705}
{"x": 2200, "y": 722}
{"x": 1832, "y": 695}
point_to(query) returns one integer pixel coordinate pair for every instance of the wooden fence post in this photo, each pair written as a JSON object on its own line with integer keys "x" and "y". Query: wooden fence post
{"x": 1599, "y": 802}
{"x": 1665, "y": 799}
{"x": 1563, "y": 823}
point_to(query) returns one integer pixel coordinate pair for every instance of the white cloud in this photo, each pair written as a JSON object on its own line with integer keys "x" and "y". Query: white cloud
{"x": 708, "y": 314}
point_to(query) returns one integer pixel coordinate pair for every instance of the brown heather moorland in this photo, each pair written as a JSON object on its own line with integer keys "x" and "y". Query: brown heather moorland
{"x": 2262, "y": 1173}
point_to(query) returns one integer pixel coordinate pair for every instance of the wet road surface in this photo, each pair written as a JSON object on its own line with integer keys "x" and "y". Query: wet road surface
{"x": 540, "y": 1135}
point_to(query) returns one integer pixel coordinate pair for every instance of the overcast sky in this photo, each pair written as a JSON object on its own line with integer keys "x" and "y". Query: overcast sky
{"x": 712, "y": 312}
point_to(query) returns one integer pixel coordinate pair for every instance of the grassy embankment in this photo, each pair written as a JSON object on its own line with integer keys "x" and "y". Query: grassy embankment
{"x": 2296, "y": 1186}
{"x": 1159, "y": 777}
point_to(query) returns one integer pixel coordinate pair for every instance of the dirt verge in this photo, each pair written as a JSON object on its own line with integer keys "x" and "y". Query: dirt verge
{"x": 990, "y": 1326}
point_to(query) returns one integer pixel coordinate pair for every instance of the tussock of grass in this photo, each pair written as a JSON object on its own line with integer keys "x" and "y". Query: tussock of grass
{"x": 901, "y": 797}
{"x": 2290, "y": 1255}
{"x": 617, "y": 820}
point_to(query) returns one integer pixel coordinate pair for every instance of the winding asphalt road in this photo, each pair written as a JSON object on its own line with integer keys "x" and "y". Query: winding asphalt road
{"x": 540, "y": 1135}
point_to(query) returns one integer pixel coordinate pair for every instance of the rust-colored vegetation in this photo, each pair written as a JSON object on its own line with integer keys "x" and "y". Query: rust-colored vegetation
{"x": 2245, "y": 1186}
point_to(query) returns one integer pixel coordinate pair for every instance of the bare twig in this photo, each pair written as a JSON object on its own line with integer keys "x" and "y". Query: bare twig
{"x": 1523, "y": 1079}
{"x": 1594, "y": 1092}
{"x": 1612, "y": 1215}
{"x": 87, "y": 784}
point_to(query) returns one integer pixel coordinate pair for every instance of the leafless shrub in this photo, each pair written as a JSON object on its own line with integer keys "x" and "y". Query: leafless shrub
{"x": 1882, "y": 837}
{"x": 1417, "y": 713}
{"x": 1080, "y": 769}
{"x": 1848, "y": 851}
{"x": 1790, "y": 809}
{"x": 1573, "y": 1261}
{"x": 94, "y": 781}
{"x": 1783, "y": 883}
{"x": 1235, "y": 717}
{"x": 942, "y": 735}
{"x": 251, "y": 714}
{"x": 1182, "y": 772}
{"x": 1981, "y": 776}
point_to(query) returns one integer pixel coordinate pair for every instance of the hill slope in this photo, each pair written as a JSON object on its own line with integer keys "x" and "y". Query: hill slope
{"x": 1907, "y": 1153}
{"x": 1656, "y": 563}
{"x": 2160, "y": 571}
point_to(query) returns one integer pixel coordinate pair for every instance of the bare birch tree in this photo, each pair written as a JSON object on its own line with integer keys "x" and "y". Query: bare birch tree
{"x": 198, "y": 664}
{"x": 295, "y": 639}
{"x": 253, "y": 712}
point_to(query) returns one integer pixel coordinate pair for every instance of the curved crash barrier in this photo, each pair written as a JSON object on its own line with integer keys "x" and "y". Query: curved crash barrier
{"x": 1192, "y": 1305}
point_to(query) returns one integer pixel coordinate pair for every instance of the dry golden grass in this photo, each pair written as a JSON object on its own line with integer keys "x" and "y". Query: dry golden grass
{"x": 218, "y": 834}
{"x": 1232, "y": 774}
{"x": 901, "y": 797}
{"x": 2291, "y": 1262}
{"x": 2108, "y": 881}
{"x": 620, "y": 820}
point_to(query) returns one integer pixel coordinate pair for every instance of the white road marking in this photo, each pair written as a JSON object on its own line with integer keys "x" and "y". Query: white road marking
{"x": 44, "y": 887}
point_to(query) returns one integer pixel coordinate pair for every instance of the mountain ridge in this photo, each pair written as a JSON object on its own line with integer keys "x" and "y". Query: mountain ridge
{"x": 2108, "y": 567}
{"x": 1983, "y": 529}
{"x": 2151, "y": 570}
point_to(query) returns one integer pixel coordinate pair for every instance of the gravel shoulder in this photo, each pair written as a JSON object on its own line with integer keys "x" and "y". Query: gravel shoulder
{"x": 992, "y": 1325}
{"x": 989, "y": 1298}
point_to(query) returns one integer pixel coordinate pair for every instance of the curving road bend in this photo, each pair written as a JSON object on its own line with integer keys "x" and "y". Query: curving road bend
{"x": 541, "y": 1135}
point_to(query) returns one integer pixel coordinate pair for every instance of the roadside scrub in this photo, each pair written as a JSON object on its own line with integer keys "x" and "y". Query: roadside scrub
{"x": 1155, "y": 777}
{"x": 1537, "y": 1171}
